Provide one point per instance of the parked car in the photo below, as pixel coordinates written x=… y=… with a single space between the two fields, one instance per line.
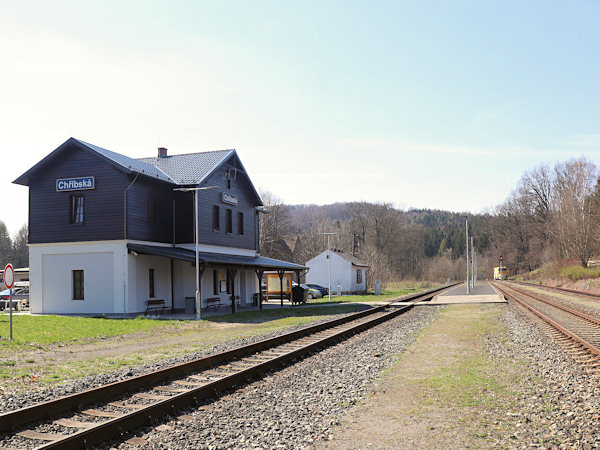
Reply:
x=20 y=298
x=323 y=290
x=312 y=292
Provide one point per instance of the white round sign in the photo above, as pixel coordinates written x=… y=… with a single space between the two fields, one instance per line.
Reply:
x=9 y=276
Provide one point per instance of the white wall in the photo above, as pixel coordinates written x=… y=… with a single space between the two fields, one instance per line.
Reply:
x=139 y=266
x=51 y=267
x=115 y=281
x=356 y=287
x=341 y=271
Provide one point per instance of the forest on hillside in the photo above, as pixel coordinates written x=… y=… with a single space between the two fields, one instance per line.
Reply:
x=553 y=213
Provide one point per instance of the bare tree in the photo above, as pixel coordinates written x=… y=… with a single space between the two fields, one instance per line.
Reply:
x=5 y=246
x=20 y=251
x=274 y=227
x=576 y=225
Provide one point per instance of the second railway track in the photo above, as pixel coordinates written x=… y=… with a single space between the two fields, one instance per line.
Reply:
x=579 y=329
x=125 y=405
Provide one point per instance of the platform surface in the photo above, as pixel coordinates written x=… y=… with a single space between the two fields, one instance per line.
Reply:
x=483 y=292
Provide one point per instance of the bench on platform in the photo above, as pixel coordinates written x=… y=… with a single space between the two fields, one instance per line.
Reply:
x=214 y=302
x=155 y=304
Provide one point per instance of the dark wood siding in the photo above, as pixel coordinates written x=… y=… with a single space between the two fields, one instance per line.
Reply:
x=138 y=205
x=246 y=205
x=49 y=210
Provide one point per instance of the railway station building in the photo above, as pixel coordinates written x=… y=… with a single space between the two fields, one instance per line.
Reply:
x=108 y=233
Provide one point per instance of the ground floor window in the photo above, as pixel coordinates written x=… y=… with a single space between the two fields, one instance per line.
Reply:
x=78 y=285
x=151 y=283
x=215 y=282
x=358 y=276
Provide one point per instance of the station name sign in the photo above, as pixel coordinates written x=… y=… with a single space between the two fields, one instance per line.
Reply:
x=229 y=199
x=75 y=184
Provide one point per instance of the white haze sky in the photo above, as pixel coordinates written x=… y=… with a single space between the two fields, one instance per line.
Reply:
x=428 y=104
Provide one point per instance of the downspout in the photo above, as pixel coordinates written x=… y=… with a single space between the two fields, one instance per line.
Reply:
x=125 y=269
x=125 y=205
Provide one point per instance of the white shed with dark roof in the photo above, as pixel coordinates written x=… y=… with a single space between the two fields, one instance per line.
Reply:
x=347 y=271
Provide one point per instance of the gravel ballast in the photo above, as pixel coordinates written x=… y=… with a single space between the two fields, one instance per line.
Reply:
x=559 y=404
x=296 y=406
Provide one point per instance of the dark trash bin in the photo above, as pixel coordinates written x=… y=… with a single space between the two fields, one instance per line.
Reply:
x=190 y=305
x=298 y=295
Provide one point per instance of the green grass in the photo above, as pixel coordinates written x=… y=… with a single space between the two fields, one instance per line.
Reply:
x=42 y=331
x=386 y=295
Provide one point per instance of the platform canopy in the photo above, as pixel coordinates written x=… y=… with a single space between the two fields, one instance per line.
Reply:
x=215 y=258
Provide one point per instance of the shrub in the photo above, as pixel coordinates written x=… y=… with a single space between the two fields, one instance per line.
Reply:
x=576 y=272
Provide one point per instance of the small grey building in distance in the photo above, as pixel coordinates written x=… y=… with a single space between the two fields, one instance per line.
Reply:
x=107 y=232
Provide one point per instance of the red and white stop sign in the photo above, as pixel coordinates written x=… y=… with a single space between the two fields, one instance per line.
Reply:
x=9 y=276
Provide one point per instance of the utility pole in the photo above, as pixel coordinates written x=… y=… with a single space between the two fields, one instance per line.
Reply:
x=467 y=240
x=329 y=260
x=196 y=239
x=474 y=276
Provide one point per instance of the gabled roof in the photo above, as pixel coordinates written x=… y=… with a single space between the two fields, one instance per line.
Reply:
x=133 y=165
x=190 y=168
x=184 y=170
x=121 y=162
x=351 y=259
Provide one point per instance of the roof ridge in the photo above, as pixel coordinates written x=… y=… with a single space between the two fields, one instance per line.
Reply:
x=186 y=154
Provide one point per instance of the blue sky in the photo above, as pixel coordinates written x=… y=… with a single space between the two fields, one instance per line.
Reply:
x=428 y=104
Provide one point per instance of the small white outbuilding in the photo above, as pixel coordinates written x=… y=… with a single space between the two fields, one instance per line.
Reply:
x=347 y=271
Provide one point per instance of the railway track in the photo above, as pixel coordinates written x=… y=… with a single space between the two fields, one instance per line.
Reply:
x=96 y=415
x=576 y=330
x=559 y=289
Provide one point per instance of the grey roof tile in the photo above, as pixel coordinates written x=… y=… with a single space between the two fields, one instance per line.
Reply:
x=134 y=165
x=189 y=168
x=353 y=259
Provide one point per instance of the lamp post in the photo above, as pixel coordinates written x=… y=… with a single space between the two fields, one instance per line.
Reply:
x=467 y=236
x=329 y=260
x=196 y=239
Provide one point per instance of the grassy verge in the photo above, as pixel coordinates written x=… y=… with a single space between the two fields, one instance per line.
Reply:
x=41 y=331
x=394 y=291
x=444 y=392
x=94 y=346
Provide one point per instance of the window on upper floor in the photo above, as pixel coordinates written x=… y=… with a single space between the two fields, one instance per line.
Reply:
x=216 y=218
x=240 y=223
x=228 y=221
x=76 y=209
x=152 y=210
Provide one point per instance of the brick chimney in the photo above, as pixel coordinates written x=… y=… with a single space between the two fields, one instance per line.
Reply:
x=162 y=152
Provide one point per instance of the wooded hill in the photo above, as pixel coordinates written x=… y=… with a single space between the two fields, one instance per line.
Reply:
x=553 y=214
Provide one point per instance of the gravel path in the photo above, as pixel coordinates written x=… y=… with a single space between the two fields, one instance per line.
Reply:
x=560 y=403
x=298 y=405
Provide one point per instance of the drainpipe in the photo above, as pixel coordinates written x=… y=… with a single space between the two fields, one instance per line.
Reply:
x=125 y=205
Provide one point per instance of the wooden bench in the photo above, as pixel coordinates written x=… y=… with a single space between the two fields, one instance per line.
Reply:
x=155 y=304
x=214 y=302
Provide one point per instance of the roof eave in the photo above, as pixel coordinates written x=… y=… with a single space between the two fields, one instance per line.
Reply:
x=24 y=179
